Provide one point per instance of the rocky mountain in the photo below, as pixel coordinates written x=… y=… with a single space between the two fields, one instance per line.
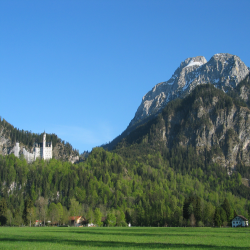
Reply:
x=209 y=120
x=9 y=135
x=224 y=71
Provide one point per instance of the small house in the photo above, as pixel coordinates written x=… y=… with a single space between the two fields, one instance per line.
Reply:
x=239 y=221
x=38 y=223
x=76 y=220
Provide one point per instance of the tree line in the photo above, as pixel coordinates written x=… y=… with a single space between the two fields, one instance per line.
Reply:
x=147 y=189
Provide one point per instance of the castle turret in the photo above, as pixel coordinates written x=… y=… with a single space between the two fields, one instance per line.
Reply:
x=44 y=145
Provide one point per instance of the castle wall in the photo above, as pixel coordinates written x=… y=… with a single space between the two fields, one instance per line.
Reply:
x=16 y=149
x=47 y=153
x=28 y=156
x=39 y=151
x=43 y=153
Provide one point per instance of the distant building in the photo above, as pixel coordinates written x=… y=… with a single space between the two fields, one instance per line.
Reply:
x=41 y=150
x=16 y=149
x=239 y=221
x=76 y=221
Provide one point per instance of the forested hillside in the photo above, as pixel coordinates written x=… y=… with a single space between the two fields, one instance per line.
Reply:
x=208 y=119
x=150 y=189
x=10 y=135
x=185 y=167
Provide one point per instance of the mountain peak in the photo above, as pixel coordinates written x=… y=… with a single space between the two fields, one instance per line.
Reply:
x=194 y=61
x=223 y=70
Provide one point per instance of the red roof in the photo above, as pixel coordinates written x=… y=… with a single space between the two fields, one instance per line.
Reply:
x=74 y=217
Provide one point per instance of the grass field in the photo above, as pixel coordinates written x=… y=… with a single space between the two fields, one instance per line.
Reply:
x=124 y=238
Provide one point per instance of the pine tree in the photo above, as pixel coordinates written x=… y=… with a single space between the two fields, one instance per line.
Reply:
x=27 y=210
x=3 y=212
x=226 y=206
x=197 y=210
x=128 y=217
x=217 y=219
x=186 y=212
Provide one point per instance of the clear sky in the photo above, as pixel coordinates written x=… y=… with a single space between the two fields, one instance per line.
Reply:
x=79 y=69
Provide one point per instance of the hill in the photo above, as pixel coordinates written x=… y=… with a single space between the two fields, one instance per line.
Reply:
x=224 y=71
x=9 y=135
x=182 y=166
x=208 y=120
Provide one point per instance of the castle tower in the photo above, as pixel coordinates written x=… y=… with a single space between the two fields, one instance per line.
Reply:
x=44 y=145
x=16 y=150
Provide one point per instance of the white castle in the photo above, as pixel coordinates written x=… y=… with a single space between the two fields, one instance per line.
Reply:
x=41 y=150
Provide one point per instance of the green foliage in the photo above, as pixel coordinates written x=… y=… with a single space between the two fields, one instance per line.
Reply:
x=60 y=211
x=3 y=212
x=141 y=185
x=111 y=219
x=244 y=85
x=28 y=138
x=75 y=208
x=98 y=217
x=217 y=218
x=28 y=211
x=227 y=208
x=54 y=213
x=243 y=170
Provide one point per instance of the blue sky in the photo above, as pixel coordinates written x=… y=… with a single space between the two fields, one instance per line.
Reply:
x=79 y=69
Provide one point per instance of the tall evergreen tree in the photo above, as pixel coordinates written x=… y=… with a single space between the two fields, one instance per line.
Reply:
x=3 y=212
x=197 y=210
x=227 y=208
x=217 y=218
x=28 y=205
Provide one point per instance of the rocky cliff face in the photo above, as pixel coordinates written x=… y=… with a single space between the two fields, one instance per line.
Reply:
x=60 y=153
x=224 y=71
x=5 y=144
x=208 y=120
x=60 y=150
x=225 y=133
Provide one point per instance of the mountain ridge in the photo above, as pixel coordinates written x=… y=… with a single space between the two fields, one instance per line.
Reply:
x=224 y=71
x=208 y=120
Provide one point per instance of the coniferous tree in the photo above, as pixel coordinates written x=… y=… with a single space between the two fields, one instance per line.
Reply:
x=223 y=216
x=227 y=208
x=128 y=217
x=217 y=218
x=197 y=210
x=185 y=209
x=28 y=211
x=3 y=212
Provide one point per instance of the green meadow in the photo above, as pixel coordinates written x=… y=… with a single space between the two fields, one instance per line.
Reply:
x=124 y=238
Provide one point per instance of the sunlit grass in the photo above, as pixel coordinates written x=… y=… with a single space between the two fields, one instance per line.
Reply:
x=124 y=238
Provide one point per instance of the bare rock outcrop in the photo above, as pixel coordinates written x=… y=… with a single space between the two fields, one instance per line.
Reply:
x=224 y=71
